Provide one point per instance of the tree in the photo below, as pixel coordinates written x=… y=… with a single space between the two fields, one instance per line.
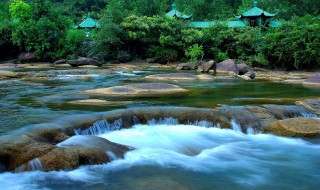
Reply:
x=36 y=28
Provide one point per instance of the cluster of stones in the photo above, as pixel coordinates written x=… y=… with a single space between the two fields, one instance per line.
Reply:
x=229 y=67
x=57 y=146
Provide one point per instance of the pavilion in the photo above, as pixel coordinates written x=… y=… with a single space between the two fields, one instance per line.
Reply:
x=88 y=24
x=255 y=17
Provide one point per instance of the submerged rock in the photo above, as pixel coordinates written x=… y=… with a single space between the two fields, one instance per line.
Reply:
x=138 y=90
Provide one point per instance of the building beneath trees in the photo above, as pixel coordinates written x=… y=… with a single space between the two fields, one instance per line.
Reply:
x=88 y=25
x=255 y=17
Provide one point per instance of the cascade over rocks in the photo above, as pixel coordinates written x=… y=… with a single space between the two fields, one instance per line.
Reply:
x=56 y=146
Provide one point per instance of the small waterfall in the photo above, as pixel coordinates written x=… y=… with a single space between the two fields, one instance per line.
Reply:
x=250 y=131
x=35 y=164
x=204 y=123
x=100 y=127
x=308 y=114
x=236 y=126
x=136 y=120
x=164 y=121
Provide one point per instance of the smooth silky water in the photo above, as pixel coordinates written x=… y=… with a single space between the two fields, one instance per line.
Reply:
x=167 y=156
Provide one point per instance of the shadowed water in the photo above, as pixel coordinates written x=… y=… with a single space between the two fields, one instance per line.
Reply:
x=189 y=157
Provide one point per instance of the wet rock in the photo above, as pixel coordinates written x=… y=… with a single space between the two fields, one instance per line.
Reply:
x=84 y=61
x=139 y=90
x=262 y=115
x=249 y=75
x=27 y=57
x=297 y=127
x=60 y=61
x=227 y=67
x=243 y=68
x=82 y=150
x=242 y=116
x=312 y=105
x=19 y=149
x=206 y=66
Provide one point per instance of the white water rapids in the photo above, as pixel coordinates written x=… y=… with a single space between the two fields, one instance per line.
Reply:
x=189 y=157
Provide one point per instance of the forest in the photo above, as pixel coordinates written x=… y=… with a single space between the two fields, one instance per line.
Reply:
x=139 y=29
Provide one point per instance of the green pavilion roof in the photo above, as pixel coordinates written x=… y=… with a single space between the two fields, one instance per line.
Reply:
x=175 y=13
x=207 y=24
x=88 y=23
x=255 y=12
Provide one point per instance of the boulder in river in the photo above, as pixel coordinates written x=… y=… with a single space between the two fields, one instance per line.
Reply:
x=206 y=66
x=228 y=66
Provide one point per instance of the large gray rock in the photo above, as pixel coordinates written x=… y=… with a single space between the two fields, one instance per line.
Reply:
x=228 y=66
x=27 y=57
x=81 y=61
x=206 y=66
x=243 y=68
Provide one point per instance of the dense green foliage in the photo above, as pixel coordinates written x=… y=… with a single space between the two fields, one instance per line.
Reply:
x=140 y=29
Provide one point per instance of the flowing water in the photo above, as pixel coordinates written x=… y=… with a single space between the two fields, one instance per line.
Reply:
x=168 y=155
x=189 y=157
